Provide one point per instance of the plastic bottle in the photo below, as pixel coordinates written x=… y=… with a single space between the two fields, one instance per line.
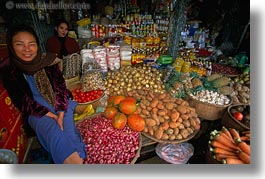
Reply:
x=209 y=69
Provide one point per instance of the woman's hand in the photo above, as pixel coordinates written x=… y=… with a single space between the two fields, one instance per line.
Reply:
x=58 y=118
x=52 y=115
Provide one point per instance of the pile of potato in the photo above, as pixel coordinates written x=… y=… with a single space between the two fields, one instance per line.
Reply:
x=129 y=78
x=166 y=117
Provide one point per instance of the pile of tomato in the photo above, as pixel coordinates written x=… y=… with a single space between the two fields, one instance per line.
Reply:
x=88 y=96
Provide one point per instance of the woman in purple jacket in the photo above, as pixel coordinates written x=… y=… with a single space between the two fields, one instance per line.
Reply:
x=37 y=88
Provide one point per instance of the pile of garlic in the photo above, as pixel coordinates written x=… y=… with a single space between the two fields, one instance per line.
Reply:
x=211 y=97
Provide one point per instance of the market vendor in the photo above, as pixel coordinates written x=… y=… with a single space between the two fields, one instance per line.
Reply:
x=60 y=43
x=37 y=88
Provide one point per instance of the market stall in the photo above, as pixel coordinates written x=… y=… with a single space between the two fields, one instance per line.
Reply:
x=157 y=79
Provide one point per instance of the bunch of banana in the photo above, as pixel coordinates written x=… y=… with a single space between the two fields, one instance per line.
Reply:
x=88 y=111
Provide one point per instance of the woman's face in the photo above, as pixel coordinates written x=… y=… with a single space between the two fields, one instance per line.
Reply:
x=62 y=30
x=25 y=46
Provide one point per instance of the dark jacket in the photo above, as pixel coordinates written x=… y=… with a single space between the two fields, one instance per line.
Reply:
x=22 y=97
x=53 y=45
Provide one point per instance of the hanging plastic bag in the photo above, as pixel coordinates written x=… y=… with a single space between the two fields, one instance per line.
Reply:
x=88 y=61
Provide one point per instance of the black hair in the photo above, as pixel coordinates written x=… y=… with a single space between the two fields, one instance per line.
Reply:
x=60 y=21
x=12 y=31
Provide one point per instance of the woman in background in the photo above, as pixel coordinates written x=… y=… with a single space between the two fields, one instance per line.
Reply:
x=37 y=88
x=60 y=43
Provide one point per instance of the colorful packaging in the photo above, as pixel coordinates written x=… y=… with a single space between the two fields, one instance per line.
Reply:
x=12 y=135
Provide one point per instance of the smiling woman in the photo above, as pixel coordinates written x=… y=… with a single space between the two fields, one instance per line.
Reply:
x=25 y=46
x=37 y=88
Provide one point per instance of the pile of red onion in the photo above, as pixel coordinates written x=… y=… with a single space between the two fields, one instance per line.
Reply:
x=105 y=144
x=224 y=69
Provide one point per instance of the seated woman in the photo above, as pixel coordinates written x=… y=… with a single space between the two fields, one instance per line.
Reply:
x=60 y=43
x=37 y=88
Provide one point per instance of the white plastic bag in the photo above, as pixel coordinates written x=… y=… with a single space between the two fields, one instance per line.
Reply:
x=175 y=153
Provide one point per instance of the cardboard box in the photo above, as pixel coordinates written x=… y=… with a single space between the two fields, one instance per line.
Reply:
x=12 y=135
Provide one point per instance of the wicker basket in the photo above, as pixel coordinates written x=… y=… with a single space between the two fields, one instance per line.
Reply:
x=70 y=81
x=208 y=111
x=230 y=122
x=137 y=154
x=72 y=66
x=74 y=85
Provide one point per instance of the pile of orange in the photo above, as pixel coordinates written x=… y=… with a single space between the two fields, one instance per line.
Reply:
x=122 y=111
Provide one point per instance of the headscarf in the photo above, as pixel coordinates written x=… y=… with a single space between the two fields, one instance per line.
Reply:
x=31 y=67
x=36 y=66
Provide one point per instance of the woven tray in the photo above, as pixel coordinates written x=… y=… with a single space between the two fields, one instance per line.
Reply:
x=78 y=85
x=82 y=106
x=169 y=141
x=137 y=154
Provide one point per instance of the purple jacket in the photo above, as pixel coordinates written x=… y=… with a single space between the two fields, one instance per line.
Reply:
x=21 y=95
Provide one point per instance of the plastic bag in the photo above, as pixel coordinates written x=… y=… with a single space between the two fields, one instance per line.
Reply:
x=88 y=61
x=99 y=54
x=92 y=80
x=113 y=57
x=8 y=157
x=175 y=153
